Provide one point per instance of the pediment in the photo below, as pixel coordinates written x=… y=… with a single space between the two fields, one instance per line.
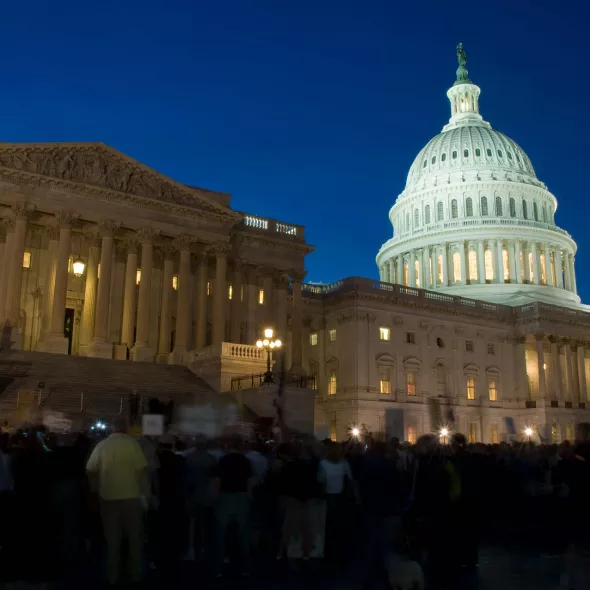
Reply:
x=98 y=165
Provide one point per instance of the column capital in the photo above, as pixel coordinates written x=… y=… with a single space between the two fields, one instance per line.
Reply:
x=167 y=250
x=521 y=339
x=554 y=339
x=184 y=242
x=539 y=337
x=8 y=224
x=219 y=249
x=108 y=227
x=251 y=272
x=66 y=219
x=23 y=210
x=238 y=264
x=280 y=278
x=147 y=235
x=297 y=276
x=131 y=244
x=202 y=258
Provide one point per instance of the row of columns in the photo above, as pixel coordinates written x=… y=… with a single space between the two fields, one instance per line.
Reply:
x=559 y=264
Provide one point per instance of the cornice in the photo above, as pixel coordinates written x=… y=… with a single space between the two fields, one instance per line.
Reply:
x=273 y=243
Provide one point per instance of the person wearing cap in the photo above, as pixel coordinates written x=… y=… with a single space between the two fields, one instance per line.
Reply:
x=118 y=468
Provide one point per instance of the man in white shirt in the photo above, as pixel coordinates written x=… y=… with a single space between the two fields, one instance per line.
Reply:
x=118 y=466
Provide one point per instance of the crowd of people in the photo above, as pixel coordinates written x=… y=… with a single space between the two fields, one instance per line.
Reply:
x=147 y=506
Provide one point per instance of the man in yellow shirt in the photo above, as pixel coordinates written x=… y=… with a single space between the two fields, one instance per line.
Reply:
x=118 y=467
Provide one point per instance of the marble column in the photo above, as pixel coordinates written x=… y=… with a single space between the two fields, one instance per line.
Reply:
x=142 y=350
x=526 y=269
x=391 y=270
x=548 y=273
x=48 y=285
x=7 y=257
x=251 y=303
x=511 y=262
x=412 y=269
x=201 y=293
x=500 y=260
x=183 y=319
x=541 y=365
x=574 y=287
x=581 y=354
x=236 y=301
x=558 y=268
x=130 y=294
x=22 y=212
x=400 y=269
x=481 y=262
x=463 y=262
x=101 y=346
x=518 y=261
x=219 y=292
x=420 y=277
x=536 y=265
x=90 y=287
x=521 y=377
x=445 y=265
x=569 y=370
x=567 y=279
x=297 y=323
x=495 y=262
x=555 y=368
x=165 y=331
x=426 y=266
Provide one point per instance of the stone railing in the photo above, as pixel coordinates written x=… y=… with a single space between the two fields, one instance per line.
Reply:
x=262 y=224
x=231 y=350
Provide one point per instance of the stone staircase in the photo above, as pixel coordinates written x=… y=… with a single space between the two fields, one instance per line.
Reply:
x=87 y=389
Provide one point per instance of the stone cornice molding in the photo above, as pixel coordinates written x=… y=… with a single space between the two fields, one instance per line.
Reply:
x=67 y=219
x=23 y=210
x=147 y=235
x=282 y=245
x=99 y=171
x=184 y=242
x=219 y=249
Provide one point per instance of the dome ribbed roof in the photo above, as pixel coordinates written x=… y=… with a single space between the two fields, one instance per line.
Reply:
x=469 y=147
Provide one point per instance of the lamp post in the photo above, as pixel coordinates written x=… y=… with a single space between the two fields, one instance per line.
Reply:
x=269 y=344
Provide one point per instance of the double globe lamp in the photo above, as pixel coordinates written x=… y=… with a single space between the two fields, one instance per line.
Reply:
x=269 y=344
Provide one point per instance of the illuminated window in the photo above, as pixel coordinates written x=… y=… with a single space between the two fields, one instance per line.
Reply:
x=470 y=387
x=469 y=207
x=531 y=268
x=489 y=264
x=484 y=206
x=494 y=435
x=505 y=264
x=208 y=288
x=525 y=210
x=27 y=260
x=522 y=259
x=332 y=384
x=569 y=432
x=333 y=436
x=384 y=334
x=230 y=291
x=439 y=268
x=473 y=265
x=427 y=214
x=98 y=271
x=417 y=273
x=440 y=211
x=313 y=339
x=332 y=334
x=411 y=436
x=457 y=267
x=410 y=338
x=138 y=276
x=454 y=209
x=175 y=283
x=261 y=297
x=70 y=264
x=543 y=269
x=411 y=383
x=472 y=436
x=512 y=208
x=498 y=206
x=406 y=275
x=493 y=389
x=385 y=386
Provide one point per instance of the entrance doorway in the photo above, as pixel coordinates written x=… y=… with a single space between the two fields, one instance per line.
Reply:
x=69 y=327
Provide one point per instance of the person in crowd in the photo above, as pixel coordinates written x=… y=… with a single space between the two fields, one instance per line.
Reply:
x=118 y=469
x=233 y=481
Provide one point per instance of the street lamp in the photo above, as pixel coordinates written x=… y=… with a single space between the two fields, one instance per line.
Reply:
x=269 y=344
x=78 y=268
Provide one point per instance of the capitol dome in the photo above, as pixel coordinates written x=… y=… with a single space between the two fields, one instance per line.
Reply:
x=474 y=220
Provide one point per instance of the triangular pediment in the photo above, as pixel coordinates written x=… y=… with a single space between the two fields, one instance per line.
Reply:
x=101 y=166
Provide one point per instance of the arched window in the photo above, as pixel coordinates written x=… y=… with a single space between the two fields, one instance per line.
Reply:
x=518 y=157
x=477 y=152
x=499 y=206
x=407 y=222
x=544 y=213
x=466 y=153
x=454 y=209
x=509 y=154
x=443 y=157
x=500 y=154
x=525 y=210
x=427 y=215
x=472 y=265
x=433 y=160
x=454 y=154
x=469 y=207
x=489 y=152
x=535 y=211
x=512 y=208
x=425 y=164
x=416 y=218
x=439 y=211
x=484 y=206
x=456 y=267
x=489 y=264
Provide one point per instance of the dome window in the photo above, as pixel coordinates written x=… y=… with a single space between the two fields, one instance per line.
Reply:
x=469 y=207
x=454 y=154
x=500 y=154
x=544 y=213
x=498 y=207
x=416 y=218
x=443 y=157
x=517 y=158
x=408 y=222
x=454 y=209
x=427 y=215
x=466 y=153
x=536 y=211
x=512 y=208
x=440 y=211
x=509 y=154
x=425 y=163
x=433 y=160
x=477 y=152
x=484 y=206
x=525 y=210
x=489 y=152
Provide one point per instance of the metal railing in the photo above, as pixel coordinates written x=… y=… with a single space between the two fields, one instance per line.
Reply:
x=257 y=380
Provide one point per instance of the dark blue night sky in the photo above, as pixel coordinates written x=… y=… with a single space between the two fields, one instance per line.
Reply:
x=309 y=111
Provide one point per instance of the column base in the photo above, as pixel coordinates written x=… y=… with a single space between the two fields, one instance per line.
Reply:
x=142 y=354
x=100 y=349
x=162 y=358
x=54 y=343
x=176 y=357
x=120 y=352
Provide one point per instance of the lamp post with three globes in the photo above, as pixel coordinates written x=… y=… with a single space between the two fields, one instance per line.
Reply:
x=269 y=344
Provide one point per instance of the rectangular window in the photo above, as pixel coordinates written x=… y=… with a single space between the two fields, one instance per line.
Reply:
x=470 y=387
x=472 y=265
x=489 y=265
x=472 y=437
x=411 y=383
x=313 y=339
x=175 y=283
x=27 y=260
x=469 y=346
x=494 y=436
x=70 y=264
x=439 y=266
x=98 y=271
x=384 y=334
x=332 y=384
x=208 y=288
x=543 y=269
x=411 y=435
x=406 y=275
x=332 y=334
x=138 y=276
x=491 y=348
x=531 y=268
x=230 y=291
x=493 y=389
x=333 y=436
x=385 y=386
x=569 y=432
x=261 y=297
x=410 y=338
x=456 y=267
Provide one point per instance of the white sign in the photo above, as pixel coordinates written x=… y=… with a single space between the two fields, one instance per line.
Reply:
x=152 y=424
x=56 y=422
